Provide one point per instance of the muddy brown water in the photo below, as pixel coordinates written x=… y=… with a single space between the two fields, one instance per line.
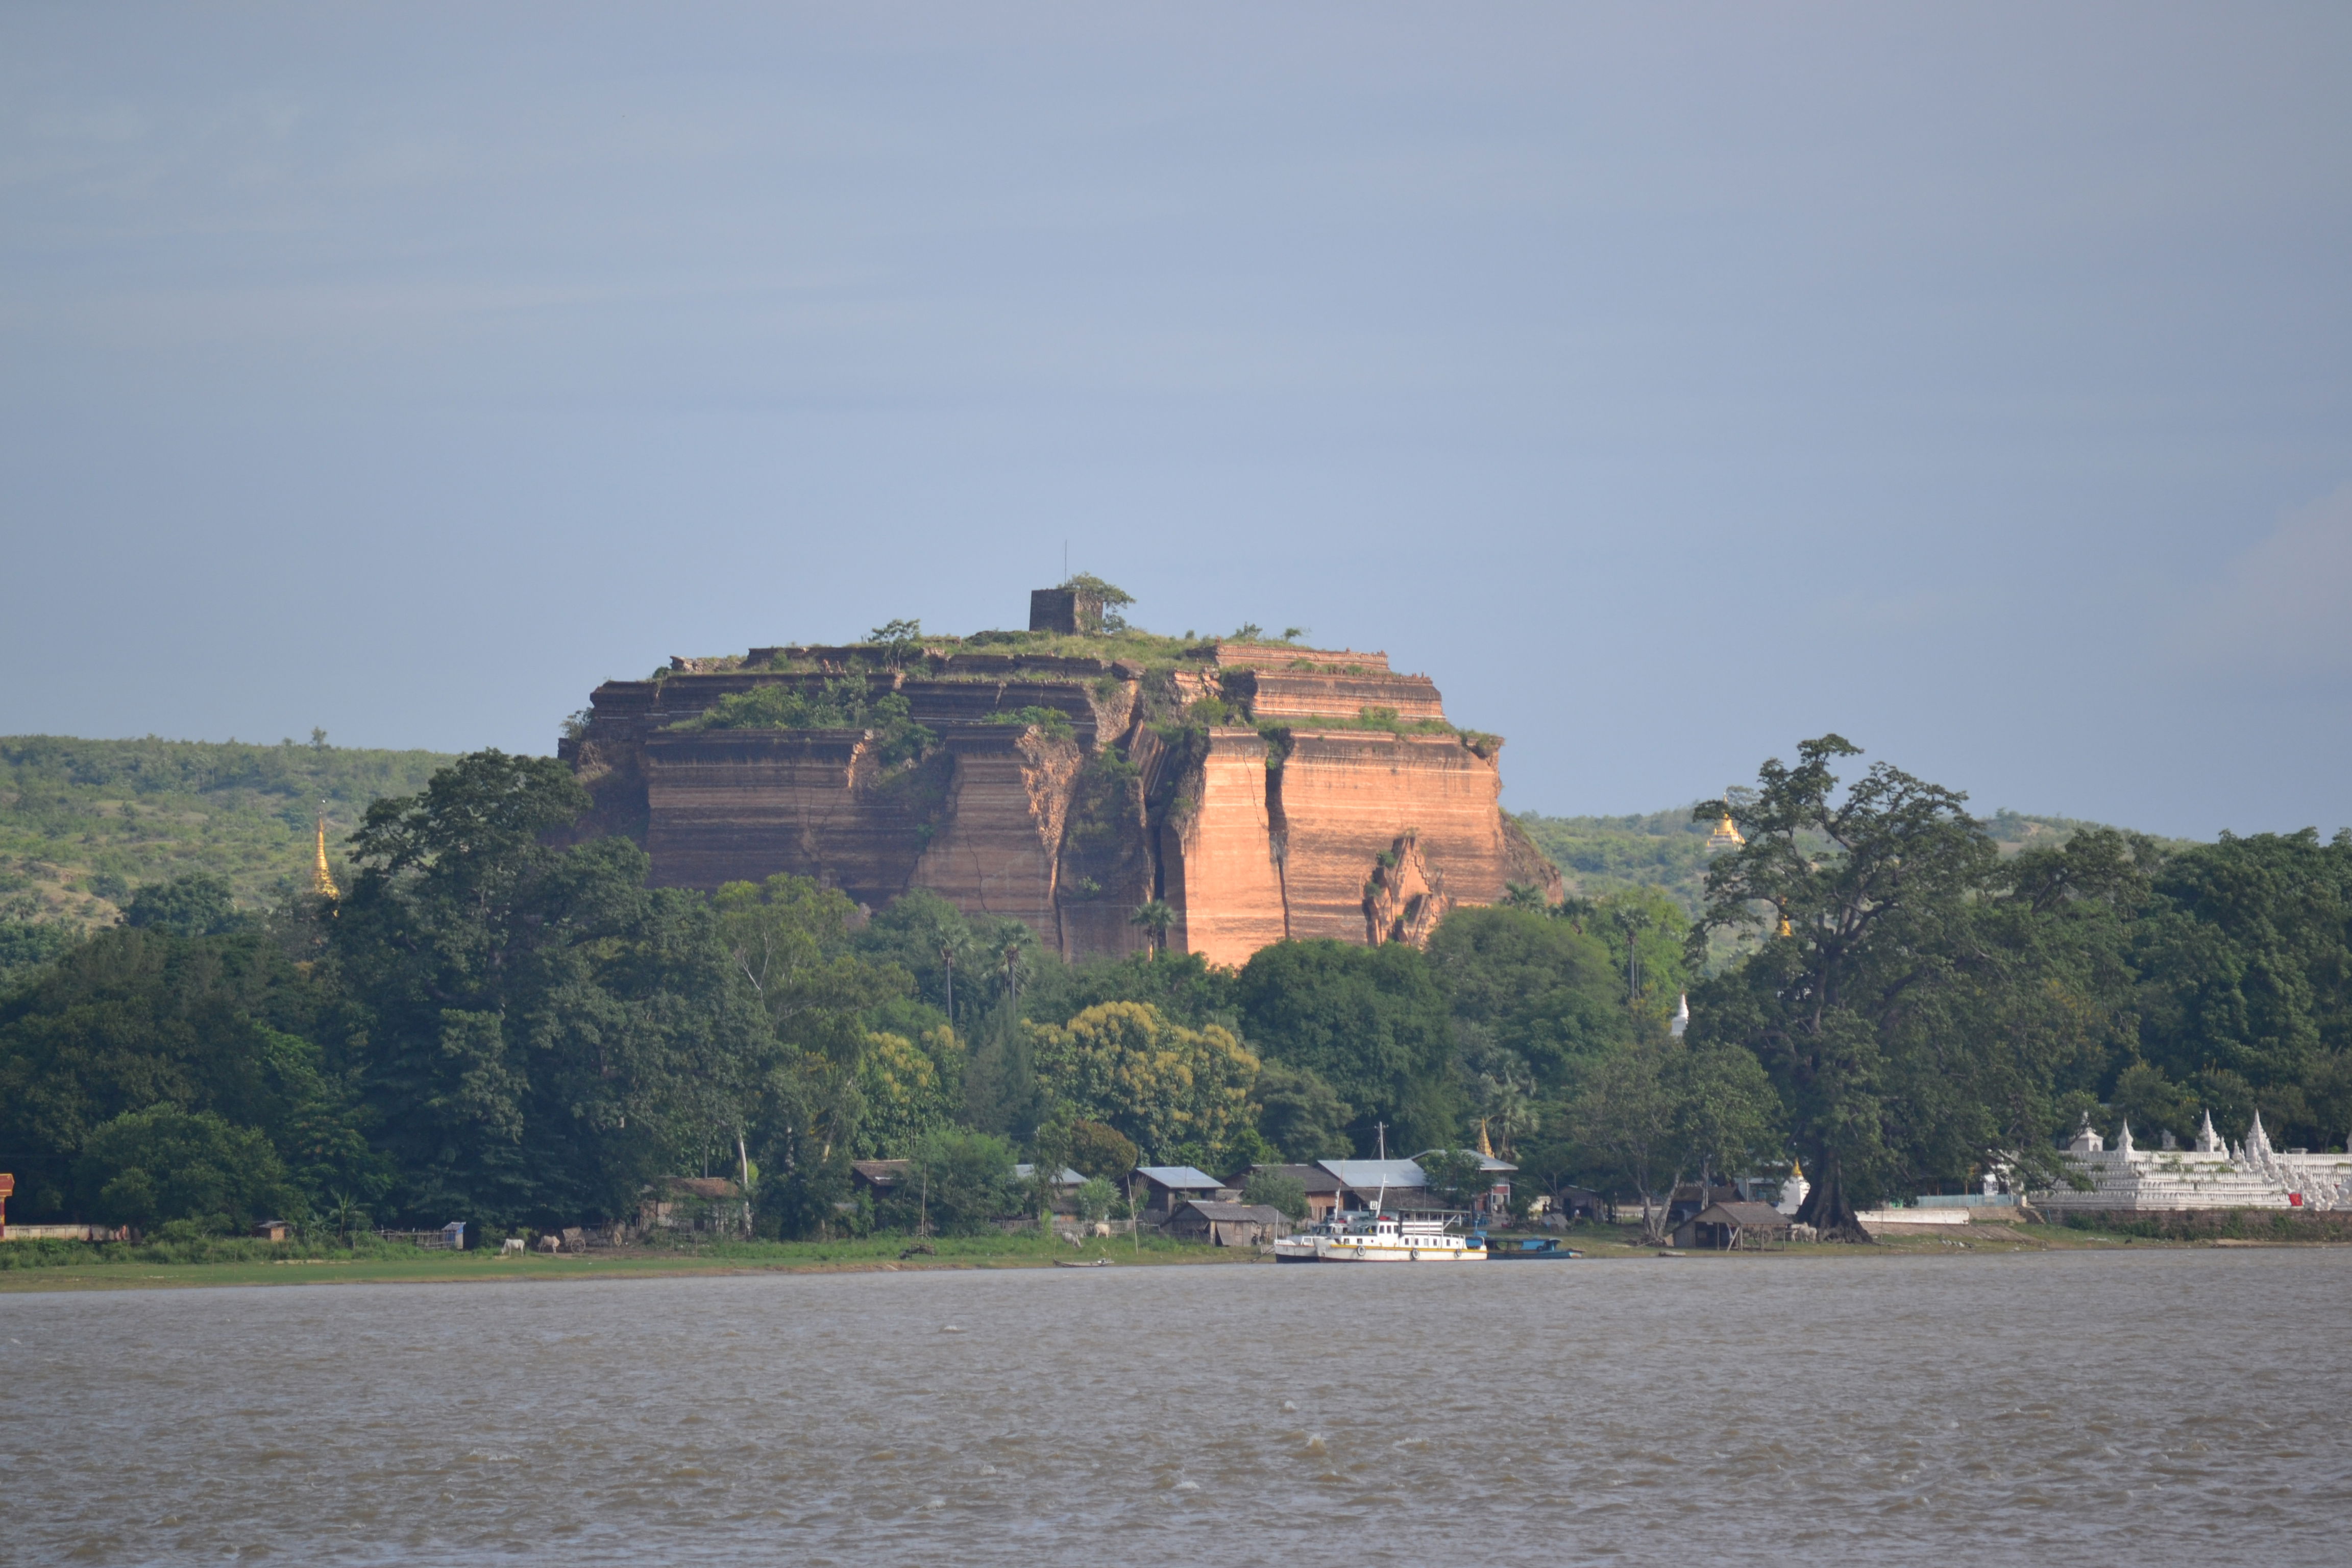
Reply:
x=2151 y=1407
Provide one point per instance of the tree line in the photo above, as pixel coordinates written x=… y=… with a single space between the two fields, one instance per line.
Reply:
x=491 y=1029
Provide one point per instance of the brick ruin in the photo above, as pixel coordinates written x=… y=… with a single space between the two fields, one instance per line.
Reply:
x=1262 y=791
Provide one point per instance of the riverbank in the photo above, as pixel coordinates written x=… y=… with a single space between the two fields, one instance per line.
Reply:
x=128 y=1270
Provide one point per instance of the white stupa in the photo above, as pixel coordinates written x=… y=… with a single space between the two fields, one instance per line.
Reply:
x=1793 y=1190
x=1681 y=1017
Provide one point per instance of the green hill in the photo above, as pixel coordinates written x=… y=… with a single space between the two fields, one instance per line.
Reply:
x=1665 y=849
x=83 y=822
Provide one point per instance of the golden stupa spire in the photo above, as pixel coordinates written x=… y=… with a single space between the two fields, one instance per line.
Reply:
x=1485 y=1147
x=322 y=882
x=1726 y=832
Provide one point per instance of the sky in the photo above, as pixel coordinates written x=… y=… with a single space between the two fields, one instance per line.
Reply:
x=1671 y=384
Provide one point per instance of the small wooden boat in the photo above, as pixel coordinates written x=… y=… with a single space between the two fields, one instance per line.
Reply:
x=1526 y=1250
x=1087 y=1263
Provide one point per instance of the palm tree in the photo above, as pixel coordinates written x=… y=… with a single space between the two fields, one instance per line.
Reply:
x=1155 y=917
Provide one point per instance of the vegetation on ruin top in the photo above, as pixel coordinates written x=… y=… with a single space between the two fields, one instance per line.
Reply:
x=905 y=645
x=848 y=703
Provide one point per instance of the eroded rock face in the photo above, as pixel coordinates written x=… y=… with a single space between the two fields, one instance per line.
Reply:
x=1321 y=794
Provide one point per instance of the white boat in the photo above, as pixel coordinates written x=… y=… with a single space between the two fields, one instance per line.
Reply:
x=1299 y=1247
x=1385 y=1238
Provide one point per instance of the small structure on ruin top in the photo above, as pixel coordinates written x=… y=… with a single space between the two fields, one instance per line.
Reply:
x=1069 y=775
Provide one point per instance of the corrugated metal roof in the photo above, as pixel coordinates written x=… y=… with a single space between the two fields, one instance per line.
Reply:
x=1314 y=1178
x=1486 y=1161
x=1261 y=1213
x=1069 y=1178
x=1371 y=1175
x=1178 y=1176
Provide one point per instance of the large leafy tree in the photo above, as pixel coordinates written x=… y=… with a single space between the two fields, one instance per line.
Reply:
x=544 y=1032
x=2031 y=1015
x=1166 y=1086
x=834 y=1083
x=1186 y=988
x=907 y=1088
x=1864 y=903
x=1656 y=1110
x=1540 y=989
x=1301 y=1116
x=1371 y=1022
x=149 y=1168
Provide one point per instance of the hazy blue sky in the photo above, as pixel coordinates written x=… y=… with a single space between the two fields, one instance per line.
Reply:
x=1670 y=382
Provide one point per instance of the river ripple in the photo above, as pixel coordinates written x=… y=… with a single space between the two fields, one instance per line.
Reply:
x=2163 y=1406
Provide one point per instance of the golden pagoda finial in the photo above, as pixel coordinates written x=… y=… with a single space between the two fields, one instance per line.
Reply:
x=1786 y=930
x=1726 y=832
x=322 y=882
x=1485 y=1147
x=1796 y=1170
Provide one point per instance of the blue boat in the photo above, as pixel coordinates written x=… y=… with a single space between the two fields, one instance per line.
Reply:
x=1526 y=1250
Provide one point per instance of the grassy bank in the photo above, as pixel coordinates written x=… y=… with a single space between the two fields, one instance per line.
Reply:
x=62 y=1266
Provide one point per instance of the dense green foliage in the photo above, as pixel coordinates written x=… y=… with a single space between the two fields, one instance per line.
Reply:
x=198 y=904
x=1370 y=1022
x=164 y=1165
x=228 y=1027
x=488 y=1028
x=1929 y=1009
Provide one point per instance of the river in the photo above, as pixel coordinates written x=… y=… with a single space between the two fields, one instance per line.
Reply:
x=2155 y=1406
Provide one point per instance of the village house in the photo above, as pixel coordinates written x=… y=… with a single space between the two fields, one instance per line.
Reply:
x=1325 y=1191
x=1227 y=1225
x=1690 y=1198
x=1569 y=1204
x=1399 y=1185
x=1405 y=1185
x=712 y=1204
x=1727 y=1227
x=879 y=1177
x=1161 y=1190
x=1062 y=1191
